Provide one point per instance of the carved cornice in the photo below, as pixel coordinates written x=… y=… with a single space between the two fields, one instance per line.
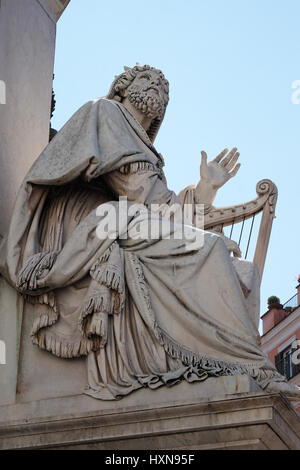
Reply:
x=188 y=423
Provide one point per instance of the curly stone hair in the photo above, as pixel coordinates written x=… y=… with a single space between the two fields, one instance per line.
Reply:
x=122 y=81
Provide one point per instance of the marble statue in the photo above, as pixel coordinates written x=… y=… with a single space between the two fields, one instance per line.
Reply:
x=145 y=312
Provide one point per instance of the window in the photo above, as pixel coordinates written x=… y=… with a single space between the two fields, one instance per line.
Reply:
x=284 y=363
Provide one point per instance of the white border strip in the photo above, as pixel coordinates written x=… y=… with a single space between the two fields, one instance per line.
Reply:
x=2 y=92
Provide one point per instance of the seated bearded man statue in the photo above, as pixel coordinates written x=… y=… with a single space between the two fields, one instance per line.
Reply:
x=148 y=311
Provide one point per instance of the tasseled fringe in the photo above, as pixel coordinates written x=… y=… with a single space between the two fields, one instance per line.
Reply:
x=52 y=343
x=63 y=348
x=142 y=283
x=34 y=266
x=100 y=303
x=105 y=256
x=109 y=276
x=137 y=166
x=45 y=299
x=213 y=367
x=106 y=302
x=45 y=319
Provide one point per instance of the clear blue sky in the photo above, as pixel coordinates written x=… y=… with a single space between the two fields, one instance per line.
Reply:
x=231 y=65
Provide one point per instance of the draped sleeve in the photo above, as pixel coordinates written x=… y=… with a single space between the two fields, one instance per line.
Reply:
x=142 y=183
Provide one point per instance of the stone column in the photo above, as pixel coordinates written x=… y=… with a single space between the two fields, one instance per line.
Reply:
x=27 y=46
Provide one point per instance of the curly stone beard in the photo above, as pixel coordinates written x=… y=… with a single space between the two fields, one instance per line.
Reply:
x=148 y=104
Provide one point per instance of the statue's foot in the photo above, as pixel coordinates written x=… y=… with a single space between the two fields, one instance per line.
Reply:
x=290 y=390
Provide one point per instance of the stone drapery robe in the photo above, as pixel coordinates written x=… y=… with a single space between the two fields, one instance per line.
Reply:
x=175 y=310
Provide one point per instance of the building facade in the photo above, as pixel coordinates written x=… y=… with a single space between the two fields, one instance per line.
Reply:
x=281 y=337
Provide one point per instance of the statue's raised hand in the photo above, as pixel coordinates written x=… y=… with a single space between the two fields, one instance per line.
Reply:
x=215 y=174
x=221 y=169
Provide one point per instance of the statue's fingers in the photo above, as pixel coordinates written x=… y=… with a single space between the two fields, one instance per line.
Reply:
x=203 y=166
x=221 y=155
x=204 y=157
x=235 y=170
x=233 y=161
x=229 y=157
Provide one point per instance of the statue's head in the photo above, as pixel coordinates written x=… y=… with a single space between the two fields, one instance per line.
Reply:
x=147 y=90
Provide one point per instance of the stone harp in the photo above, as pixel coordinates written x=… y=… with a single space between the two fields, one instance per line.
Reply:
x=218 y=218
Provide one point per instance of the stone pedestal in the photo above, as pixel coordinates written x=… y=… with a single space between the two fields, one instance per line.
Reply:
x=220 y=413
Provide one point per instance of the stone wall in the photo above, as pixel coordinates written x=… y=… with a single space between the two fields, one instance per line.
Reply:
x=27 y=47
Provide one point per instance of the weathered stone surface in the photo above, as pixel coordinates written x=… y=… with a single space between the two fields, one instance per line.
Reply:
x=142 y=313
x=41 y=375
x=27 y=45
x=11 y=308
x=227 y=413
